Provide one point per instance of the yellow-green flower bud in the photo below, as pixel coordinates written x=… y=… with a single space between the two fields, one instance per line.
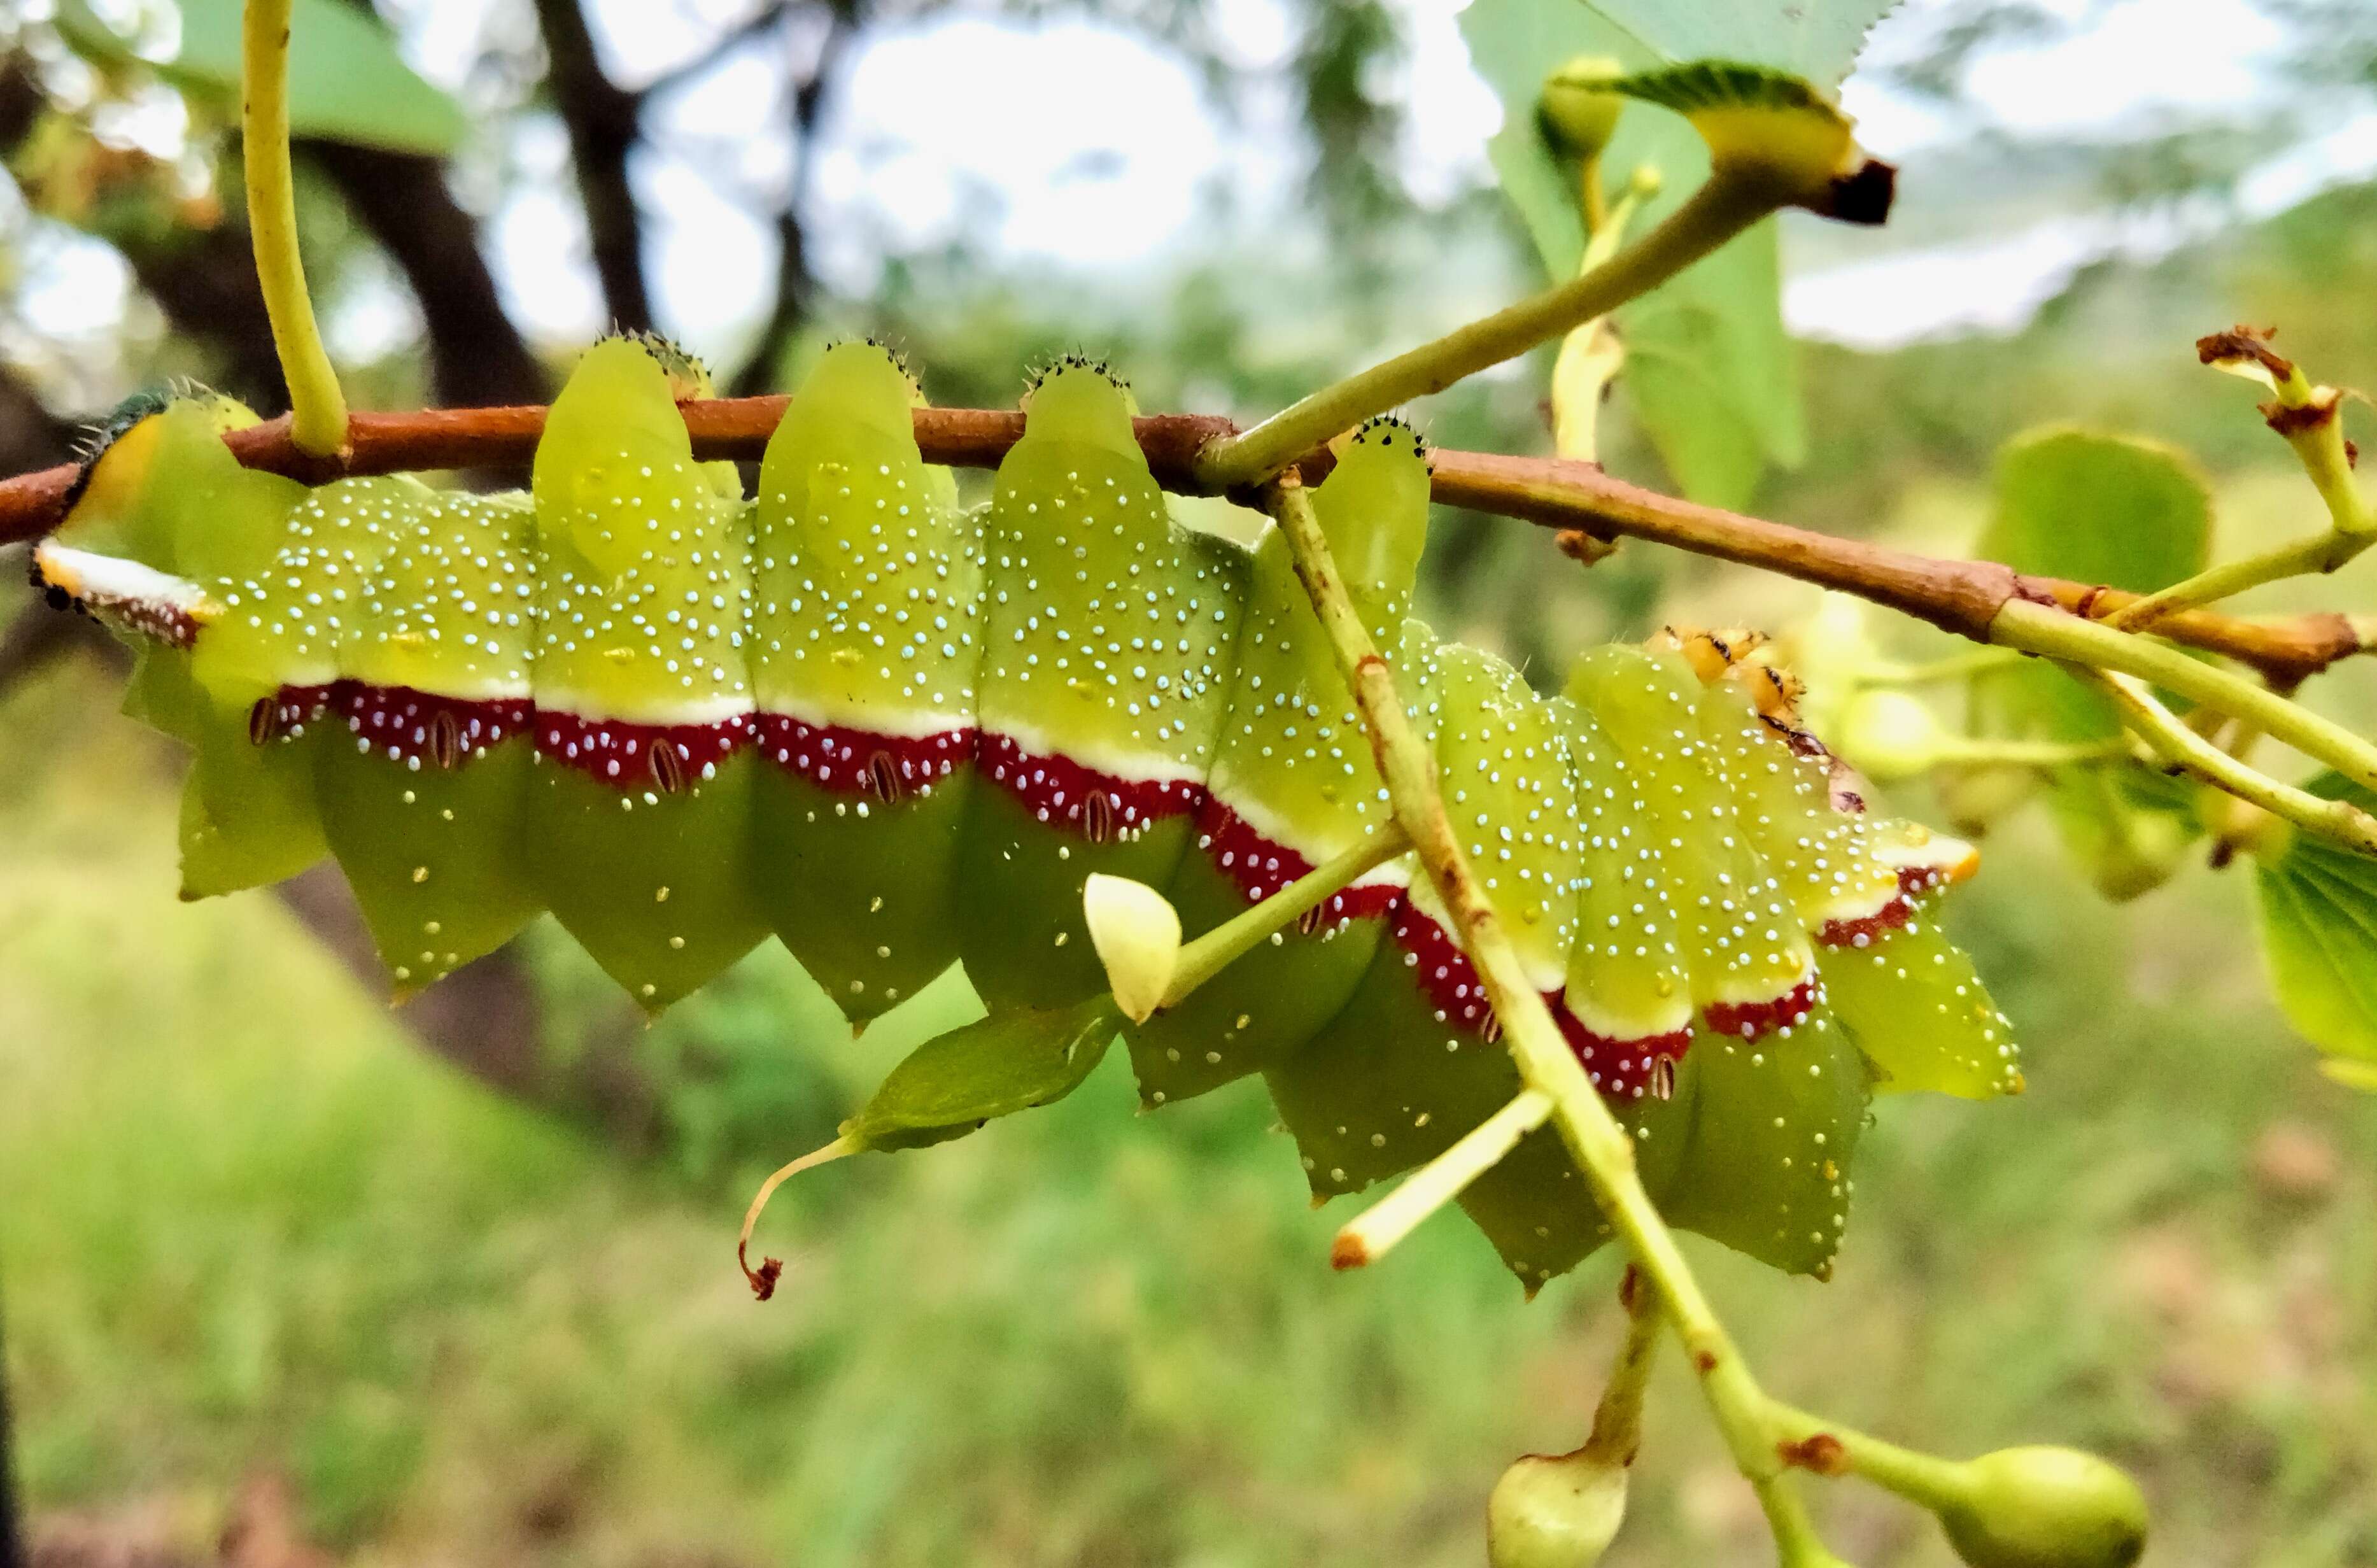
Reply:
x=1552 y=1512
x=1889 y=735
x=1137 y=934
x=1579 y=112
x=2044 y=1508
x=1977 y=798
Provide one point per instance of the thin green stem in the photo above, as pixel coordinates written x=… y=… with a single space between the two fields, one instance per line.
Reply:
x=2064 y=637
x=1590 y=355
x=2329 y=463
x=1617 y=1418
x=2308 y=417
x=317 y=410
x=1797 y=1545
x=1590 y=198
x=1964 y=751
x=1601 y=1147
x=1937 y=672
x=1921 y=1479
x=2171 y=739
x=1232 y=939
x=1723 y=207
x=2318 y=553
x=1370 y=1234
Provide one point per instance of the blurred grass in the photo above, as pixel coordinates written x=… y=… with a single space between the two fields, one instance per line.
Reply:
x=245 y=1225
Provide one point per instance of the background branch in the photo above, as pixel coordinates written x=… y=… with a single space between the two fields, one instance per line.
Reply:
x=477 y=355
x=795 y=287
x=601 y=117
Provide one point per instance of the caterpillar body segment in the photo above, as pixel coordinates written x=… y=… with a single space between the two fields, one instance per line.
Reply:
x=1292 y=782
x=638 y=822
x=1751 y=964
x=1415 y=1059
x=1107 y=640
x=898 y=733
x=1626 y=1005
x=864 y=652
x=425 y=757
x=1913 y=1002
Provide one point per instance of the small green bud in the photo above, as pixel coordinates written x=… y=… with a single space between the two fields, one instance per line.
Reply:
x=2045 y=1507
x=2138 y=851
x=1889 y=735
x=1554 y=1512
x=1977 y=798
x=1579 y=112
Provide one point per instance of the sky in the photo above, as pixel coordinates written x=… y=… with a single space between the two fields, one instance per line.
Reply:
x=1077 y=147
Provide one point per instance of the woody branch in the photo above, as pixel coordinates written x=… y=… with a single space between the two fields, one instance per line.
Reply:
x=1963 y=597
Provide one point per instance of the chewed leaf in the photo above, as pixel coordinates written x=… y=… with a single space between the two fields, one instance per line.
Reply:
x=1710 y=369
x=1008 y=1062
x=1756 y=114
x=2319 y=930
x=1813 y=40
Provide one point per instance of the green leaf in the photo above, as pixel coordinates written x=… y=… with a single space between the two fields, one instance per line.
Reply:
x=1710 y=371
x=1011 y=1061
x=2319 y=933
x=1815 y=40
x=2129 y=513
x=346 y=80
x=2099 y=508
x=1712 y=375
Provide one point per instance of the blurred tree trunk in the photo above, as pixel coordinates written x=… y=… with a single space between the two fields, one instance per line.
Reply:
x=477 y=355
x=603 y=119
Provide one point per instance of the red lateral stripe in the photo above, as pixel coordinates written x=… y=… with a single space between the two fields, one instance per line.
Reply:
x=412 y=726
x=846 y=760
x=1748 y=1020
x=1262 y=866
x=1621 y=1070
x=1866 y=929
x=294 y=706
x=1443 y=971
x=1062 y=791
x=628 y=757
x=1914 y=883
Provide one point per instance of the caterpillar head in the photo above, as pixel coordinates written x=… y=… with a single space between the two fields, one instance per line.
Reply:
x=160 y=512
x=1079 y=398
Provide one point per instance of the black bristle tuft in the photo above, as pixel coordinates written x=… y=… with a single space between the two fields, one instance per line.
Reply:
x=110 y=429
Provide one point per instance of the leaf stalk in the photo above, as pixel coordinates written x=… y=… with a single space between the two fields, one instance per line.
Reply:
x=317 y=408
x=1723 y=207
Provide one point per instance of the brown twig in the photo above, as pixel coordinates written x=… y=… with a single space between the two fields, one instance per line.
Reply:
x=1959 y=597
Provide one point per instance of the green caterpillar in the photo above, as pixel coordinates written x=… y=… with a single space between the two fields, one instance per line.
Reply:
x=897 y=735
